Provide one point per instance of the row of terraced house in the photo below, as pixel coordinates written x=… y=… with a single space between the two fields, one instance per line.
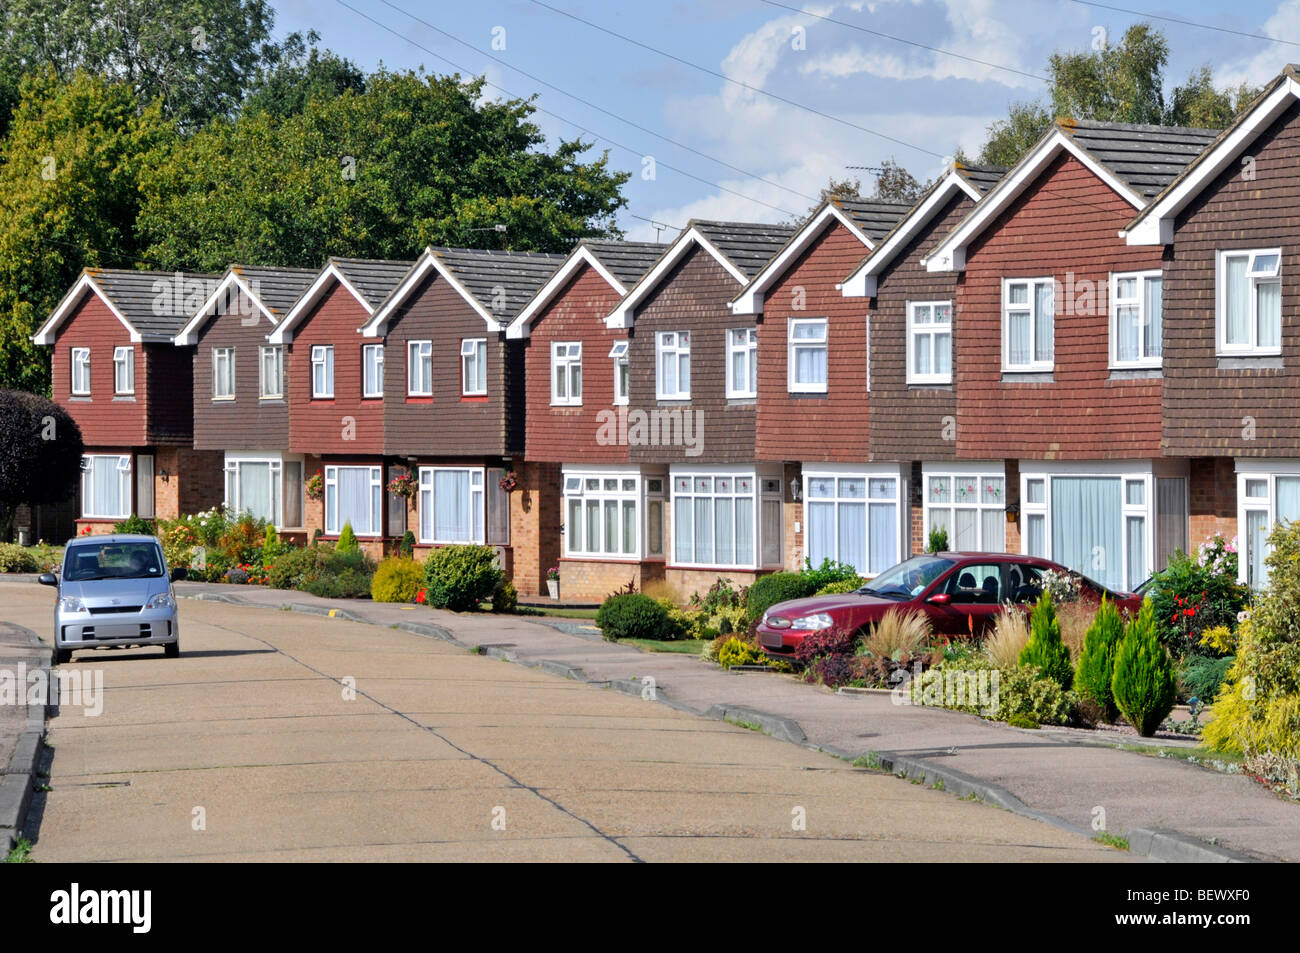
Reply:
x=1085 y=357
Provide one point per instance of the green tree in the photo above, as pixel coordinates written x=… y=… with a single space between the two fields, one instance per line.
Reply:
x=69 y=194
x=40 y=454
x=1199 y=104
x=895 y=184
x=1096 y=668
x=285 y=88
x=1009 y=139
x=1143 y=683
x=1045 y=650
x=409 y=161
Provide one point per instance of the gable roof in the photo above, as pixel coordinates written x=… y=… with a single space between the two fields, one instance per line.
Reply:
x=1154 y=224
x=620 y=264
x=496 y=284
x=973 y=181
x=152 y=305
x=741 y=248
x=868 y=220
x=369 y=281
x=1135 y=161
x=272 y=292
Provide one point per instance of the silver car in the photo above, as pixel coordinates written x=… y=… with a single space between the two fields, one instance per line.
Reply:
x=114 y=591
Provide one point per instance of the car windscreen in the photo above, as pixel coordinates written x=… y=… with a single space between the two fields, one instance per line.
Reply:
x=85 y=562
x=910 y=577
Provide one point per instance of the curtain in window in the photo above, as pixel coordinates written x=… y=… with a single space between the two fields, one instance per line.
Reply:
x=1256 y=543
x=452 y=522
x=683 y=535
x=573 y=528
x=821 y=532
x=1137 y=555
x=1151 y=331
x=745 y=533
x=292 y=493
x=703 y=530
x=1086 y=527
x=1237 y=301
x=852 y=520
x=144 y=485
x=1043 y=322
x=1171 y=519
x=724 y=531
x=994 y=531
x=629 y=527
x=965 y=537
x=1127 y=317
x=883 y=534
x=810 y=365
x=1036 y=544
x=1269 y=312
x=1288 y=499
x=255 y=491
x=943 y=353
x=1018 y=338
x=106 y=489
x=354 y=500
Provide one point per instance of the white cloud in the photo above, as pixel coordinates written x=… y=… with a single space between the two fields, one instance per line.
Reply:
x=1258 y=68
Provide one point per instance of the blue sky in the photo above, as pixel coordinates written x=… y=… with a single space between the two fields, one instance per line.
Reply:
x=843 y=96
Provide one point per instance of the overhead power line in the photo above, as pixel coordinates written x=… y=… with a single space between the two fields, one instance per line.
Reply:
x=1183 y=22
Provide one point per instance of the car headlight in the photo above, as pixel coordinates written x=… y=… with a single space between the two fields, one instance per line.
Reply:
x=776 y=621
x=160 y=600
x=819 y=620
x=72 y=604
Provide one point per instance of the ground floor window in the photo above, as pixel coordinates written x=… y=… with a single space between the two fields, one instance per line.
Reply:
x=970 y=503
x=722 y=518
x=616 y=514
x=451 y=505
x=267 y=487
x=1267 y=494
x=354 y=495
x=106 y=486
x=852 y=518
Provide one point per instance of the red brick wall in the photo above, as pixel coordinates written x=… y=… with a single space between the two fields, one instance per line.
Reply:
x=104 y=421
x=535 y=516
x=1066 y=223
x=1212 y=499
x=568 y=434
x=815 y=427
x=594 y=579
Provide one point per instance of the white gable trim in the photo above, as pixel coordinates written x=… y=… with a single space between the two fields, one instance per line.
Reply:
x=862 y=282
x=621 y=316
x=522 y=324
x=429 y=261
x=950 y=254
x=1155 y=225
x=86 y=283
x=190 y=333
x=283 y=334
x=750 y=299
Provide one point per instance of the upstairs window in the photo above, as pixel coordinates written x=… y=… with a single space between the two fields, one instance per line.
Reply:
x=271 y=375
x=123 y=370
x=807 y=356
x=1027 y=324
x=223 y=373
x=419 y=368
x=929 y=342
x=742 y=363
x=322 y=371
x=673 y=365
x=473 y=367
x=1135 y=329
x=372 y=370
x=622 y=377
x=1250 y=302
x=81 y=371
x=566 y=373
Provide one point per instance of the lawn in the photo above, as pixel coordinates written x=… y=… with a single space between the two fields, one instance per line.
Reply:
x=682 y=646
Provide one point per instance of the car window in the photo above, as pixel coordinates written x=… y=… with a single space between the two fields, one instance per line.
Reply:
x=1024 y=583
x=89 y=561
x=977 y=584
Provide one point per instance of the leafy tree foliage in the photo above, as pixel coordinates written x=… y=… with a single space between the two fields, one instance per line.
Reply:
x=40 y=454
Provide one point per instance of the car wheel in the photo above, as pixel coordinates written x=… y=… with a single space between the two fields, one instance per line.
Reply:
x=172 y=650
x=62 y=656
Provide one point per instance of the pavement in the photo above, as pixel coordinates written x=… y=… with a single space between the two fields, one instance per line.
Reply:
x=23 y=663
x=291 y=736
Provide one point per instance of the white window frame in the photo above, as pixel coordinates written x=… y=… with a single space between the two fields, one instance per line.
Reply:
x=333 y=526
x=79 y=372
x=674 y=346
x=743 y=342
x=425 y=503
x=835 y=473
x=566 y=365
x=979 y=475
x=1254 y=277
x=622 y=372
x=124 y=371
x=419 y=368
x=322 y=371
x=223 y=357
x=795 y=345
x=123 y=469
x=277 y=354
x=932 y=330
x=584 y=487
x=713 y=474
x=372 y=366
x=275 y=476
x=1031 y=285
x=1142 y=280
x=1267 y=471
x=473 y=352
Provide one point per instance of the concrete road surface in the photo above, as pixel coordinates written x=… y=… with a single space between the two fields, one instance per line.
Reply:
x=280 y=736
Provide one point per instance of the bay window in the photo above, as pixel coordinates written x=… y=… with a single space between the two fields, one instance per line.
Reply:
x=852 y=517
x=123 y=370
x=419 y=368
x=1249 y=302
x=566 y=373
x=106 y=486
x=1268 y=493
x=372 y=370
x=81 y=372
x=473 y=367
x=322 y=371
x=354 y=495
x=929 y=342
x=1135 y=319
x=1027 y=324
x=806 y=357
x=714 y=519
x=603 y=514
x=970 y=505
x=451 y=505
x=742 y=363
x=265 y=486
x=673 y=365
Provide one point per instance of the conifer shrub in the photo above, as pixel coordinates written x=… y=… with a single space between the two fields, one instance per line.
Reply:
x=1143 y=683
x=347 y=540
x=1096 y=669
x=1045 y=650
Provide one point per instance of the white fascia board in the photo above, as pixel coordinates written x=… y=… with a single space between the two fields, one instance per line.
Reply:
x=521 y=326
x=377 y=326
x=283 y=333
x=950 y=254
x=862 y=283
x=621 y=316
x=750 y=299
x=190 y=333
x=86 y=283
x=1155 y=225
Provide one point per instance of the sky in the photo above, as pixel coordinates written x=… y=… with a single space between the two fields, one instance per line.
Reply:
x=743 y=109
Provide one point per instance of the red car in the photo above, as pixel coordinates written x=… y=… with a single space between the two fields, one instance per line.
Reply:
x=962 y=593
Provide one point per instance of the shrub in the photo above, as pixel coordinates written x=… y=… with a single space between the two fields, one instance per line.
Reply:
x=832 y=641
x=831 y=670
x=1200 y=677
x=323 y=571
x=827 y=573
x=1075 y=618
x=1143 y=683
x=636 y=616
x=240 y=540
x=722 y=594
x=15 y=558
x=842 y=586
x=40 y=452
x=734 y=651
x=134 y=524
x=898 y=634
x=1192 y=595
x=347 y=583
x=1045 y=650
x=1008 y=638
x=505 y=597
x=938 y=542
x=347 y=539
x=460 y=577
x=407 y=548
x=777 y=587
x=397 y=580
x=1025 y=693
x=1096 y=668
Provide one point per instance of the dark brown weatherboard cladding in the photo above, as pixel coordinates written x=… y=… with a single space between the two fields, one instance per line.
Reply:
x=1242 y=411
x=907 y=423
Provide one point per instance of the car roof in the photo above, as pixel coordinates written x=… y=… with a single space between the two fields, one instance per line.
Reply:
x=985 y=557
x=113 y=538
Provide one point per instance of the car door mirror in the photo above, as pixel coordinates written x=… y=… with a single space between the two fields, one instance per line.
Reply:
x=179 y=573
x=48 y=579
x=940 y=599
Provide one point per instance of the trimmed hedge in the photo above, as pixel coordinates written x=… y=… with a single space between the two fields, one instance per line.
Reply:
x=633 y=615
x=767 y=591
x=460 y=577
x=397 y=580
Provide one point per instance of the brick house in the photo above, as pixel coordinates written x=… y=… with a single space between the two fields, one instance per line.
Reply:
x=117 y=372
x=577 y=376
x=241 y=392
x=689 y=419
x=454 y=402
x=1058 y=329
x=335 y=401
x=1224 y=227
